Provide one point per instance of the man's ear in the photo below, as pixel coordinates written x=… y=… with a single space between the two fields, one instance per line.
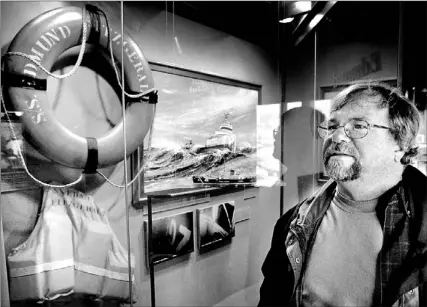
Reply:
x=398 y=154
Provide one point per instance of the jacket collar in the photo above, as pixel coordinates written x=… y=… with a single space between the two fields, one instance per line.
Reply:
x=414 y=185
x=314 y=207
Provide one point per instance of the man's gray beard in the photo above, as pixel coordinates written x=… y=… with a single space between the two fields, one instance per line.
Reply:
x=337 y=172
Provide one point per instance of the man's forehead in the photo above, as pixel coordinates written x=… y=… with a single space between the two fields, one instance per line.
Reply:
x=362 y=109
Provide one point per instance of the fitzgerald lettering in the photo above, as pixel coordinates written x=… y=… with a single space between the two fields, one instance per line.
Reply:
x=131 y=54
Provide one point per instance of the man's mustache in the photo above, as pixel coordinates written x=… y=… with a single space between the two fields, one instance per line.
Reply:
x=338 y=149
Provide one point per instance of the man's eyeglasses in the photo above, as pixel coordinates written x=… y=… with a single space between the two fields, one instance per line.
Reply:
x=354 y=129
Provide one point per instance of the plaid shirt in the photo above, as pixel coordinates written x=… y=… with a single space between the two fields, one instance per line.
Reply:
x=396 y=241
x=393 y=213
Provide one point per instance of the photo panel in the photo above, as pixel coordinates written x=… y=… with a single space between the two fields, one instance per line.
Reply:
x=216 y=225
x=172 y=236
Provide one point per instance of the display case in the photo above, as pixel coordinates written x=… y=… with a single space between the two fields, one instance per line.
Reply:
x=233 y=144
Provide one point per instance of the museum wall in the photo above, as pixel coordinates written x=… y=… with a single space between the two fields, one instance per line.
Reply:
x=79 y=103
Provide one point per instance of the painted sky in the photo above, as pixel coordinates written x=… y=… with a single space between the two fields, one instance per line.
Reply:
x=194 y=108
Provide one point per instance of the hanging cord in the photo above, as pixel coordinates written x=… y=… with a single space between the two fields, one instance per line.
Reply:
x=76 y=66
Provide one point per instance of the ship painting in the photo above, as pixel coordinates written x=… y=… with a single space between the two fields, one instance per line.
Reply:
x=200 y=134
x=224 y=137
x=219 y=161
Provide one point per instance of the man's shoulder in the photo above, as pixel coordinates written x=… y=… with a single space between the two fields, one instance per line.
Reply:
x=416 y=183
x=414 y=177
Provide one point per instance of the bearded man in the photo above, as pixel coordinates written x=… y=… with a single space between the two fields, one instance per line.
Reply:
x=361 y=239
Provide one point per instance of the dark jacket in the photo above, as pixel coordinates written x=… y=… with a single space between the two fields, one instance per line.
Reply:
x=294 y=235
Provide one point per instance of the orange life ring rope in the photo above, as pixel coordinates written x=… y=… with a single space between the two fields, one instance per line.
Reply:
x=43 y=40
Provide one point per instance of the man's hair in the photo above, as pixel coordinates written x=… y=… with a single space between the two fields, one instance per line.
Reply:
x=404 y=118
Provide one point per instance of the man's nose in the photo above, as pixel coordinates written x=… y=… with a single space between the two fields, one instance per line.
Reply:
x=339 y=135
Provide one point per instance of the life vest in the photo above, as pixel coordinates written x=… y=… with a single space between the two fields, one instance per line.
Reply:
x=72 y=249
x=44 y=39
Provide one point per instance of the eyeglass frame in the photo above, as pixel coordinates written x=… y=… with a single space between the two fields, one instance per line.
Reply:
x=369 y=126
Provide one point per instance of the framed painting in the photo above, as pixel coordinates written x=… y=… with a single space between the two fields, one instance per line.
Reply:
x=204 y=129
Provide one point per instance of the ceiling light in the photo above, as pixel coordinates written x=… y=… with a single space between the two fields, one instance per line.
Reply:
x=289 y=10
x=302 y=6
x=295 y=8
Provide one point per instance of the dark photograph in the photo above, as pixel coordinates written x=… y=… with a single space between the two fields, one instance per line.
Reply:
x=216 y=224
x=172 y=236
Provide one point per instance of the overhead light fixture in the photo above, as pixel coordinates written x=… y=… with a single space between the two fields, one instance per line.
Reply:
x=317 y=13
x=286 y=20
x=289 y=10
x=300 y=7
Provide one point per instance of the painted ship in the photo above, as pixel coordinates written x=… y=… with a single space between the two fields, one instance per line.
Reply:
x=222 y=138
x=188 y=144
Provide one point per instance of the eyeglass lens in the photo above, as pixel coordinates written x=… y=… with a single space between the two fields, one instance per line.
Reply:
x=353 y=129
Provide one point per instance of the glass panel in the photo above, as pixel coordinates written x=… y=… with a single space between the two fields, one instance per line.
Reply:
x=298 y=130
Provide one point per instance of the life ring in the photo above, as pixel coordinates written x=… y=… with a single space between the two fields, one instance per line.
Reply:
x=44 y=39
